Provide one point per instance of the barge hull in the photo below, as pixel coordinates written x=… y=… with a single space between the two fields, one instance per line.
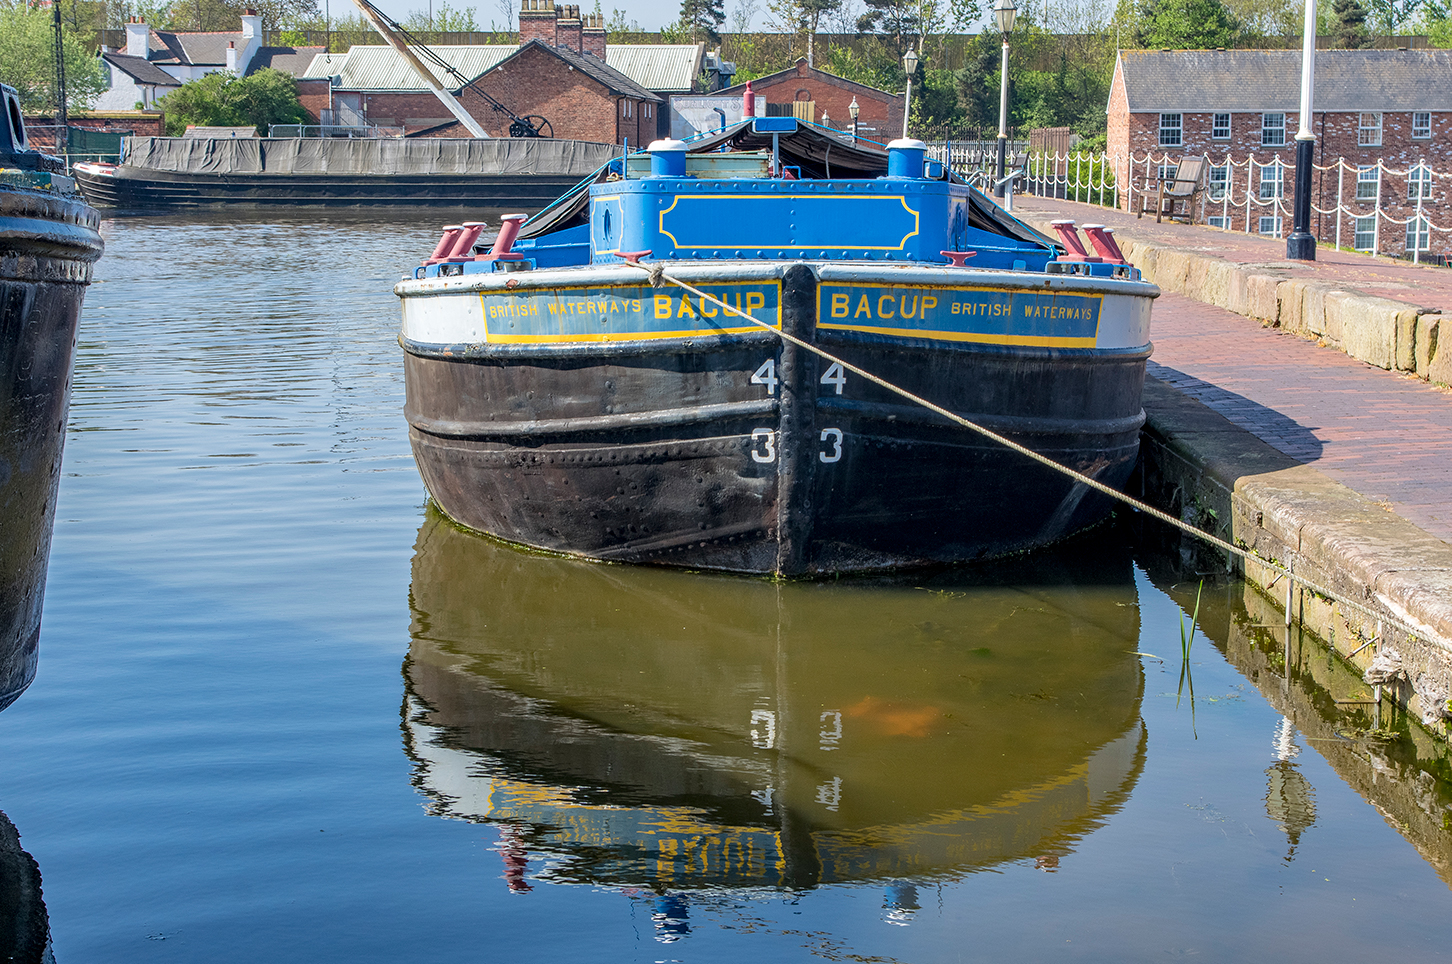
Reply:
x=47 y=247
x=748 y=454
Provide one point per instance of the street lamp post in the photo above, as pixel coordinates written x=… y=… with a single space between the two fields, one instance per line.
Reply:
x=1301 y=243
x=909 y=64
x=854 y=110
x=1003 y=13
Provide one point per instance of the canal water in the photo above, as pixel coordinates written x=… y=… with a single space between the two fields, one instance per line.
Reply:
x=287 y=712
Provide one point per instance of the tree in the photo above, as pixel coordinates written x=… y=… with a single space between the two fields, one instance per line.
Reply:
x=704 y=18
x=27 y=60
x=1185 y=25
x=220 y=100
x=227 y=14
x=801 y=18
x=1348 y=31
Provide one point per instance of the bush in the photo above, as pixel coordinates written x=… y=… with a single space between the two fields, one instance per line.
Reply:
x=220 y=100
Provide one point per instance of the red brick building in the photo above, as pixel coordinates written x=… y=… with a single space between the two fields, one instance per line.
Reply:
x=1386 y=115
x=812 y=95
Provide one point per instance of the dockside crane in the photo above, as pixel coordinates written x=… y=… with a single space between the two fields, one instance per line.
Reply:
x=414 y=53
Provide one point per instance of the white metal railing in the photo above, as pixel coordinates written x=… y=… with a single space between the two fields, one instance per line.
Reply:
x=1252 y=195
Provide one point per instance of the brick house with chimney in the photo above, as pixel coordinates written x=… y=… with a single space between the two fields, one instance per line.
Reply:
x=1387 y=106
x=562 y=71
x=812 y=94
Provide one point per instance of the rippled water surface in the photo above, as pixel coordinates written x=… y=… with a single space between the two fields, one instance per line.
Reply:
x=287 y=712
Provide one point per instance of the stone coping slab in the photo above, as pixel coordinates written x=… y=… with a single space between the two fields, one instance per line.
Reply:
x=1225 y=479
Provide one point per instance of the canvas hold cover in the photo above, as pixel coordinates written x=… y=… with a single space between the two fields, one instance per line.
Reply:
x=380 y=156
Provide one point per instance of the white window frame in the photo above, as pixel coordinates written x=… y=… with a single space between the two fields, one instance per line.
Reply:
x=1219 y=222
x=1368 y=188
x=1218 y=182
x=1274 y=225
x=645 y=105
x=1368 y=129
x=1419 y=177
x=1419 y=230
x=1274 y=187
x=1172 y=130
x=1360 y=230
x=1273 y=130
x=1421 y=125
x=625 y=110
x=1217 y=132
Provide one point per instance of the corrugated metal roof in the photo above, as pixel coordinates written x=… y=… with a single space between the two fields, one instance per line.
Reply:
x=660 y=67
x=656 y=67
x=1270 y=80
x=382 y=68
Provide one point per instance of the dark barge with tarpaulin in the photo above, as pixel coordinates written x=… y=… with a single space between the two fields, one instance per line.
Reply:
x=560 y=396
x=183 y=172
x=49 y=240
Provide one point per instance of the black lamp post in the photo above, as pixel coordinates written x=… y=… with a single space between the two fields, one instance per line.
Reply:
x=1301 y=243
x=1003 y=13
x=854 y=110
x=909 y=64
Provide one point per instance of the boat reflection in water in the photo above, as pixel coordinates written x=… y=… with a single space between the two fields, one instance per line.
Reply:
x=669 y=731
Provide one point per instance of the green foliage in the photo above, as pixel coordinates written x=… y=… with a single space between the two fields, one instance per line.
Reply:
x=872 y=65
x=221 y=100
x=1054 y=80
x=27 y=60
x=704 y=18
x=1185 y=25
x=444 y=18
x=1349 y=28
x=1440 y=33
x=227 y=14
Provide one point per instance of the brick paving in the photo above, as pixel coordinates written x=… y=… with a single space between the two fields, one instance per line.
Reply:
x=1387 y=436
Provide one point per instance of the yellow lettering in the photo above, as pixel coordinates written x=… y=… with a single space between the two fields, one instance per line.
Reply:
x=839 y=305
x=929 y=303
x=662 y=306
x=686 y=308
x=884 y=312
x=755 y=300
x=589 y=308
x=708 y=309
x=862 y=309
x=905 y=312
x=635 y=304
x=614 y=305
x=602 y=306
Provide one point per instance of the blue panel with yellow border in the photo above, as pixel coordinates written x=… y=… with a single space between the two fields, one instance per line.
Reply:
x=992 y=316
x=623 y=313
x=887 y=219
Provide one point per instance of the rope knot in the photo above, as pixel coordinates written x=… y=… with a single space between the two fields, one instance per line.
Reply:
x=657 y=276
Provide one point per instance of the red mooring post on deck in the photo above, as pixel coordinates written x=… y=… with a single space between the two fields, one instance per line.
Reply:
x=463 y=245
x=441 y=250
x=503 y=249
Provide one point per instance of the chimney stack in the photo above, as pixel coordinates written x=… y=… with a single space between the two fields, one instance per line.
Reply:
x=568 y=28
x=537 y=21
x=592 y=36
x=137 y=38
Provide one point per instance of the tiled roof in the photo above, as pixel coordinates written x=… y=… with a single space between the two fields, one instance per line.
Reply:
x=199 y=49
x=594 y=67
x=1260 y=80
x=659 y=67
x=141 y=70
x=289 y=60
x=374 y=67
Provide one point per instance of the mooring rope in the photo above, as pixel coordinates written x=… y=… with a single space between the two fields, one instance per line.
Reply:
x=659 y=278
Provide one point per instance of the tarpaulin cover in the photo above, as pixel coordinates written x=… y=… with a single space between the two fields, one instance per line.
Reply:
x=382 y=156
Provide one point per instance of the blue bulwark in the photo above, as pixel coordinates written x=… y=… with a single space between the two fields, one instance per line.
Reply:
x=993 y=316
x=888 y=219
x=623 y=313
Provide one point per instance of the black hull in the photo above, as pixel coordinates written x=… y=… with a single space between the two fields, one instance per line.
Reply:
x=47 y=247
x=644 y=452
x=134 y=188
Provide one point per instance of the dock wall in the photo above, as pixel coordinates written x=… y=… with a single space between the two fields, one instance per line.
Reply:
x=1212 y=474
x=1393 y=335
